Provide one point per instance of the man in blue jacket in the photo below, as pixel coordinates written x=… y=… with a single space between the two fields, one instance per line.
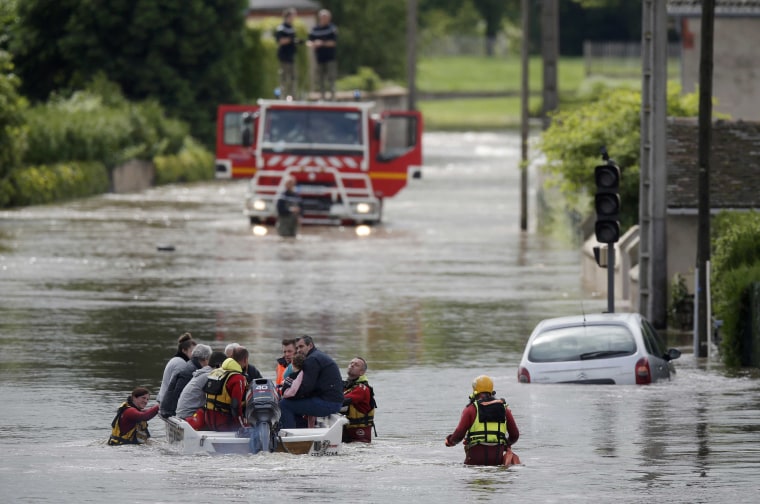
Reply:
x=321 y=390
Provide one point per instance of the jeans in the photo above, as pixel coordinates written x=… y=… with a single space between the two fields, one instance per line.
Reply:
x=312 y=406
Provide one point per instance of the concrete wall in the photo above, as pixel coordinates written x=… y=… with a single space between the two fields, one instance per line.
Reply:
x=595 y=278
x=682 y=248
x=132 y=176
x=736 y=70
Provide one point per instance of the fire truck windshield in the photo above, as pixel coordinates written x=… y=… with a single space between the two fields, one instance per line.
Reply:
x=313 y=127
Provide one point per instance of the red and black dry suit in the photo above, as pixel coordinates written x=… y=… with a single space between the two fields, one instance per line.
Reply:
x=488 y=428
x=360 y=401
x=225 y=397
x=130 y=425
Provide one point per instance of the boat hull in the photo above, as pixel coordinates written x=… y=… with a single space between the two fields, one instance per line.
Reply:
x=324 y=439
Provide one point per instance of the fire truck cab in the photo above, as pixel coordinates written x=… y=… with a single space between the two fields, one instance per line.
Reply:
x=345 y=159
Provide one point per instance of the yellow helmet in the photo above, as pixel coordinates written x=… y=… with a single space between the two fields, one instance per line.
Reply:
x=481 y=384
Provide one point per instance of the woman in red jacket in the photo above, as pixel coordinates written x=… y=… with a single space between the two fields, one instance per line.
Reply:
x=130 y=426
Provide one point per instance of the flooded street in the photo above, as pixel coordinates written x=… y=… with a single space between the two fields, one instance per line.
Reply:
x=446 y=289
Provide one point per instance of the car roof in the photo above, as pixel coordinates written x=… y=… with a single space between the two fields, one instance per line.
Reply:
x=590 y=318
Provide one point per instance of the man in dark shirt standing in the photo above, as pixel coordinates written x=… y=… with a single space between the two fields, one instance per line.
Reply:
x=323 y=38
x=321 y=390
x=286 y=53
x=288 y=209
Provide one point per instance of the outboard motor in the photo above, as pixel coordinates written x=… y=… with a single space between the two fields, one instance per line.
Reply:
x=262 y=410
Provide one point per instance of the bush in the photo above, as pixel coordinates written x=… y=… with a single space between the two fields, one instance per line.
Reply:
x=572 y=145
x=735 y=266
x=365 y=80
x=89 y=127
x=34 y=185
x=12 y=121
x=192 y=163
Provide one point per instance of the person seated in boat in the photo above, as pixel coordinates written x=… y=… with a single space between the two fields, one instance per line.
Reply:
x=130 y=425
x=292 y=383
x=198 y=359
x=487 y=428
x=321 y=390
x=250 y=372
x=358 y=403
x=185 y=345
x=225 y=393
x=193 y=399
x=288 y=351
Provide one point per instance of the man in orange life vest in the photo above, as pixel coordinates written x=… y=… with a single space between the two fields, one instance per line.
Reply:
x=487 y=428
x=288 y=351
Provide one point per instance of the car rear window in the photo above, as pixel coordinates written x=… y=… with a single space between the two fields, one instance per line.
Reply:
x=582 y=343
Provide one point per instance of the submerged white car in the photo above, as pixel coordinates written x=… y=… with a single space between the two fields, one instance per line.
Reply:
x=605 y=348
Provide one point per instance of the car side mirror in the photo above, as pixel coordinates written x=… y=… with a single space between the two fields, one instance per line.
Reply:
x=673 y=353
x=376 y=132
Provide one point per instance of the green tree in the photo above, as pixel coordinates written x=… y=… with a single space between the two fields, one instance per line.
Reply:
x=573 y=141
x=493 y=12
x=371 y=33
x=185 y=53
x=12 y=122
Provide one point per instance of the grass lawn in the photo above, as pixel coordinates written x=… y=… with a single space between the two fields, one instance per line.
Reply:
x=473 y=113
x=474 y=74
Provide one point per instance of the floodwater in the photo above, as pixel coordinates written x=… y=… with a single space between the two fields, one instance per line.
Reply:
x=446 y=289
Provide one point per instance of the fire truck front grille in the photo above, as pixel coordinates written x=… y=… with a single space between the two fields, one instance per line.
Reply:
x=316 y=204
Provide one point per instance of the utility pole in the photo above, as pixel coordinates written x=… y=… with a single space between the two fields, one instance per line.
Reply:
x=705 y=139
x=524 y=126
x=550 y=53
x=411 y=53
x=653 y=281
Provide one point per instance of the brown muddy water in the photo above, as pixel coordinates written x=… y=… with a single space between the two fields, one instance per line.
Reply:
x=446 y=289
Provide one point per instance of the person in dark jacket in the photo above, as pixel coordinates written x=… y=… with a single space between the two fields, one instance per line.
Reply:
x=321 y=390
x=323 y=38
x=198 y=359
x=285 y=36
x=288 y=209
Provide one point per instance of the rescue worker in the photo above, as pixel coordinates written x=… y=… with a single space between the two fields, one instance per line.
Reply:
x=487 y=427
x=130 y=425
x=358 y=403
x=225 y=393
x=288 y=209
x=288 y=351
x=285 y=36
x=323 y=38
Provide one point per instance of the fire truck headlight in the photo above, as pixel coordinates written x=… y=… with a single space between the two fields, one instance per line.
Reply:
x=260 y=205
x=363 y=208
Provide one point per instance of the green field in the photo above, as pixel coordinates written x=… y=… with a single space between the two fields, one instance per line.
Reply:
x=502 y=75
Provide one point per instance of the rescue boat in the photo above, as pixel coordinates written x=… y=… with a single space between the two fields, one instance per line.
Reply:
x=323 y=439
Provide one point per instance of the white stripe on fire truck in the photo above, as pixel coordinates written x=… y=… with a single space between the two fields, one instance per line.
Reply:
x=290 y=160
x=350 y=162
x=335 y=161
x=274 y=160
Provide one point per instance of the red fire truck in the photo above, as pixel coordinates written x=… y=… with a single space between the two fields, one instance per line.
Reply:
x=346 y=159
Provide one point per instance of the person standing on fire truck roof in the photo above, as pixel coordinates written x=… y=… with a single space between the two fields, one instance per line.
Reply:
x=288 y=209
x=286 y=53
x=323 y=38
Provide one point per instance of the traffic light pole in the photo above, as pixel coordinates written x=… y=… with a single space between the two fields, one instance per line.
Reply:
x=610 y=278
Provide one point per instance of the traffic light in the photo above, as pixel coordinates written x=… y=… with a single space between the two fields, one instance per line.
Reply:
x=607 y=203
